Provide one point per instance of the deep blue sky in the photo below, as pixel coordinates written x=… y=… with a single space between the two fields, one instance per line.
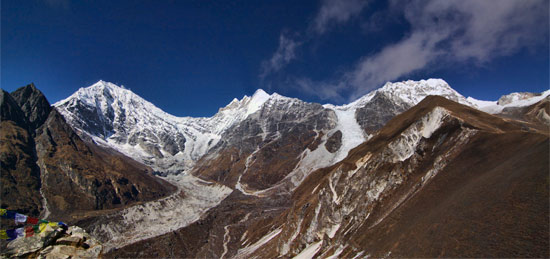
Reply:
x=192 y=57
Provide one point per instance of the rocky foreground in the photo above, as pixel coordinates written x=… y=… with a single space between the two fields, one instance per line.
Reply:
x=54 y=242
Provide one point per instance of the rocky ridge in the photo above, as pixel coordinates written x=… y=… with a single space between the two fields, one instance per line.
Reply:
x=20 y=175
x=53 y=173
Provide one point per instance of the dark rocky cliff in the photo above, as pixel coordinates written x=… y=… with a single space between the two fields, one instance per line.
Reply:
x=75 y=179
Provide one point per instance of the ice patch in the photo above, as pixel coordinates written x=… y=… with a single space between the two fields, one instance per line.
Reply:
x=336 y=253
x=286 y=246
x=310 y=251
x=244 y=252
x=358 y=255
x=256 y=102
x=352 y=134
x=313 y=224
x=405 y=145
x=333 y=230
x=226 y=239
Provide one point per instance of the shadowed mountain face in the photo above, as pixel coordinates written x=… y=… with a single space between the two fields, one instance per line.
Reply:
x=58 y=174
x=439 y=180
x=34 y=105
x=20 y=176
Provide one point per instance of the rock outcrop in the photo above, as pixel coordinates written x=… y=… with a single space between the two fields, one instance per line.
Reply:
x=34 y=105
x=55 y=242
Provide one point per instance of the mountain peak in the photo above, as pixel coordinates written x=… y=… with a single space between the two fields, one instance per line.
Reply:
x=428 y=84
x=413 y=92
x=260 y=93
x=410 y=92
x=107 y=85
x=33 y=103
x=10 y=110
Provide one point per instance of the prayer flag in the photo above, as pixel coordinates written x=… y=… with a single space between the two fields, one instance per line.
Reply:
x=20 y=218
x=20 y=232
x=42 y=227
x=36 y=229
x=32 y=221
x=29 y=231
x=3 y=234
x=53 y=224
x=2 y=212
x=11 y=234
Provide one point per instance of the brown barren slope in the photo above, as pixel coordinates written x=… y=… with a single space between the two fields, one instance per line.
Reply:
x=490 y=201
x=80 y=177
x=477 y=186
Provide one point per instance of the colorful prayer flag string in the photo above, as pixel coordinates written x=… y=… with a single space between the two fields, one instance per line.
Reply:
x=20 y=218
x=38 y=225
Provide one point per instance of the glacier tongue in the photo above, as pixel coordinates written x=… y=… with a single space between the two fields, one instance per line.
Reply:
x=193 y=198
x=352 y=134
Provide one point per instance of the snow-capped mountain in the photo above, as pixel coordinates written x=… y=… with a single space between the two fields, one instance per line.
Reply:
x=508 y=101
x=118 y=118
x=374 y=109
x=276 y=176
x=412 y=92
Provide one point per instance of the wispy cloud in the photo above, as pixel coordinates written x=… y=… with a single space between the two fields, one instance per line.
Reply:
x=330 y=13
x=284 y=54
x=326 y=90
x=443 y=31
x=334 y=12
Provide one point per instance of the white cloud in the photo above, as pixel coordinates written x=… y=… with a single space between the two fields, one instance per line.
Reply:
x=336 y=12
x=284 y=54
x=443 y=31
x=331 y=12
x=323 y=90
